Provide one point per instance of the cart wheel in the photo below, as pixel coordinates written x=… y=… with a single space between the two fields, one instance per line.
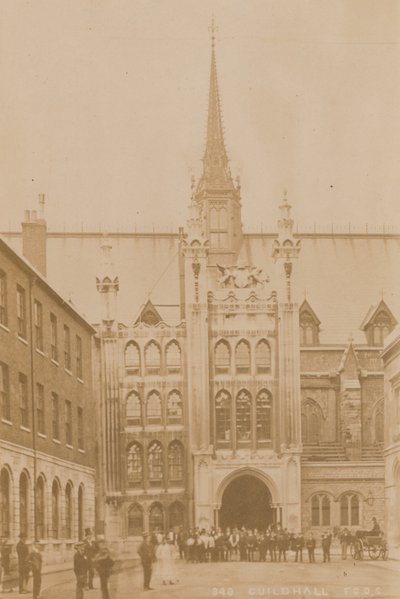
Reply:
x=374 y=551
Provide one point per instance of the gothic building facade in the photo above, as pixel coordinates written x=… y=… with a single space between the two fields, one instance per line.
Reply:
x=241 y=374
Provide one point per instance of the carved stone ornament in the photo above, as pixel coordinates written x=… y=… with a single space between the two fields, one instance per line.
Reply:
x=241 y=277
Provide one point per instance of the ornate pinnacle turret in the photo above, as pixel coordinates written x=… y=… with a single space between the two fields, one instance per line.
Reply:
x=216 y=172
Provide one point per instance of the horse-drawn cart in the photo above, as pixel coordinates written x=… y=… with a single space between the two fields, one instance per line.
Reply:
x=363 y=542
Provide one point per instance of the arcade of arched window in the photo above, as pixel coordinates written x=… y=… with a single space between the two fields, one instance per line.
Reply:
x=153 y=361
x=245 y=421
x=155 y=467
x=151 y=412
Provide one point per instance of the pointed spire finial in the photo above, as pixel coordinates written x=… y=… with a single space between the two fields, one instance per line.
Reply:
x=216 y=172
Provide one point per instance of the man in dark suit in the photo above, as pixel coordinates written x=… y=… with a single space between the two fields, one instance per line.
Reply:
x=147 y=557
x=80 y=569
x=23 y=566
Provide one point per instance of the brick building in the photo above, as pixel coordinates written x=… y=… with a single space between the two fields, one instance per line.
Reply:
x=241 y=374
x=47 y=447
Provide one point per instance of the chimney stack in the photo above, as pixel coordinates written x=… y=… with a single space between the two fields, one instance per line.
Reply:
x=34 y=237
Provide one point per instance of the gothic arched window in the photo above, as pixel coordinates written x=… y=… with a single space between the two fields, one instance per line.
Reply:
x=132 y=358
x=349 y=510
x=263 y=357
x=135 y=520
x=68 y=511
x=152 y=356
x=218 y=227
x=243 y=416
x=242 y=357
x=381 y=327
x=155 y=463
x=263 y=415
x=134 y=465
x=223 y=416
x=173 y=357
x=222 y=357
x=176 y=513
x=308 y=329
x=379 y=425
x=320 y=510
x=55 y=509
x=175 y=462
x=154 y=409
x=311 y=420
x=40 y=508
x=156 y=517
x=5 y=514
x=133 y=409
x=23 y=503
x=174 y=408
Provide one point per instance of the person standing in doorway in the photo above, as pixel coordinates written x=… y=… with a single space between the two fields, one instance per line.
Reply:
x=23 y=566
x=147 y=557
x=34 y=562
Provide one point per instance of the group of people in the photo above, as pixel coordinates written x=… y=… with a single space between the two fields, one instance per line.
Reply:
x=245 y=544
x=90 y=554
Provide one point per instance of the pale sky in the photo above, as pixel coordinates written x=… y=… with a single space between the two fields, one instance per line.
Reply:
x=103 y=108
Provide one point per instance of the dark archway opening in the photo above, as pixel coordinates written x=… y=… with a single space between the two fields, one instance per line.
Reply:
x=246 y=502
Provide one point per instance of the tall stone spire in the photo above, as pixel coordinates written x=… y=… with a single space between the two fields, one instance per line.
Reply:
x=216 y=172
x=216 y=198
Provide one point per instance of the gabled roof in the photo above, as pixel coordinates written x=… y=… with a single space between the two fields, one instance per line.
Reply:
x=147 y=313
x=372 y=313
x=305 y=307
x=349 y=363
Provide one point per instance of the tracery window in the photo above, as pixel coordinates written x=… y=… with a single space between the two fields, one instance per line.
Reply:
x=349 y=510
x=135 y=520
x=222 y=357
x=40 y=508
x=263 y=415
x=174 y=408
x=223 y=416
x=156 y=517
x=5 y=514
x=311 y=418
x=132 y=358
x=133 y=409
x=381 y=327
x=242 y=357
x=155 y=462
x=218 y=227
x=243 y=416
x=134 y=464
x=175 y=461
x=152 y=355
x=308 y=329
x=320 y=510
x=154 y=410
x=263 y=357
x=173 y=357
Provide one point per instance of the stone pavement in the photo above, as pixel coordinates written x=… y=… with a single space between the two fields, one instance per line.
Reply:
x=241 y=580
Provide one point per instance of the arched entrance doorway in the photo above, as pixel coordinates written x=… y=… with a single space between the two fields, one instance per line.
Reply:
x=246 y=501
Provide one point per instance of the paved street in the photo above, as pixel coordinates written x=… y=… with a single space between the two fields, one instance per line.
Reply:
x=240 y=580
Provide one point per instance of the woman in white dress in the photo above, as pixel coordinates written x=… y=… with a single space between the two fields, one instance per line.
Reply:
x=165 y=562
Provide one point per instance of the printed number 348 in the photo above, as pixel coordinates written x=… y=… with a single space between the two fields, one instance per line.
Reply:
x=223 y=592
